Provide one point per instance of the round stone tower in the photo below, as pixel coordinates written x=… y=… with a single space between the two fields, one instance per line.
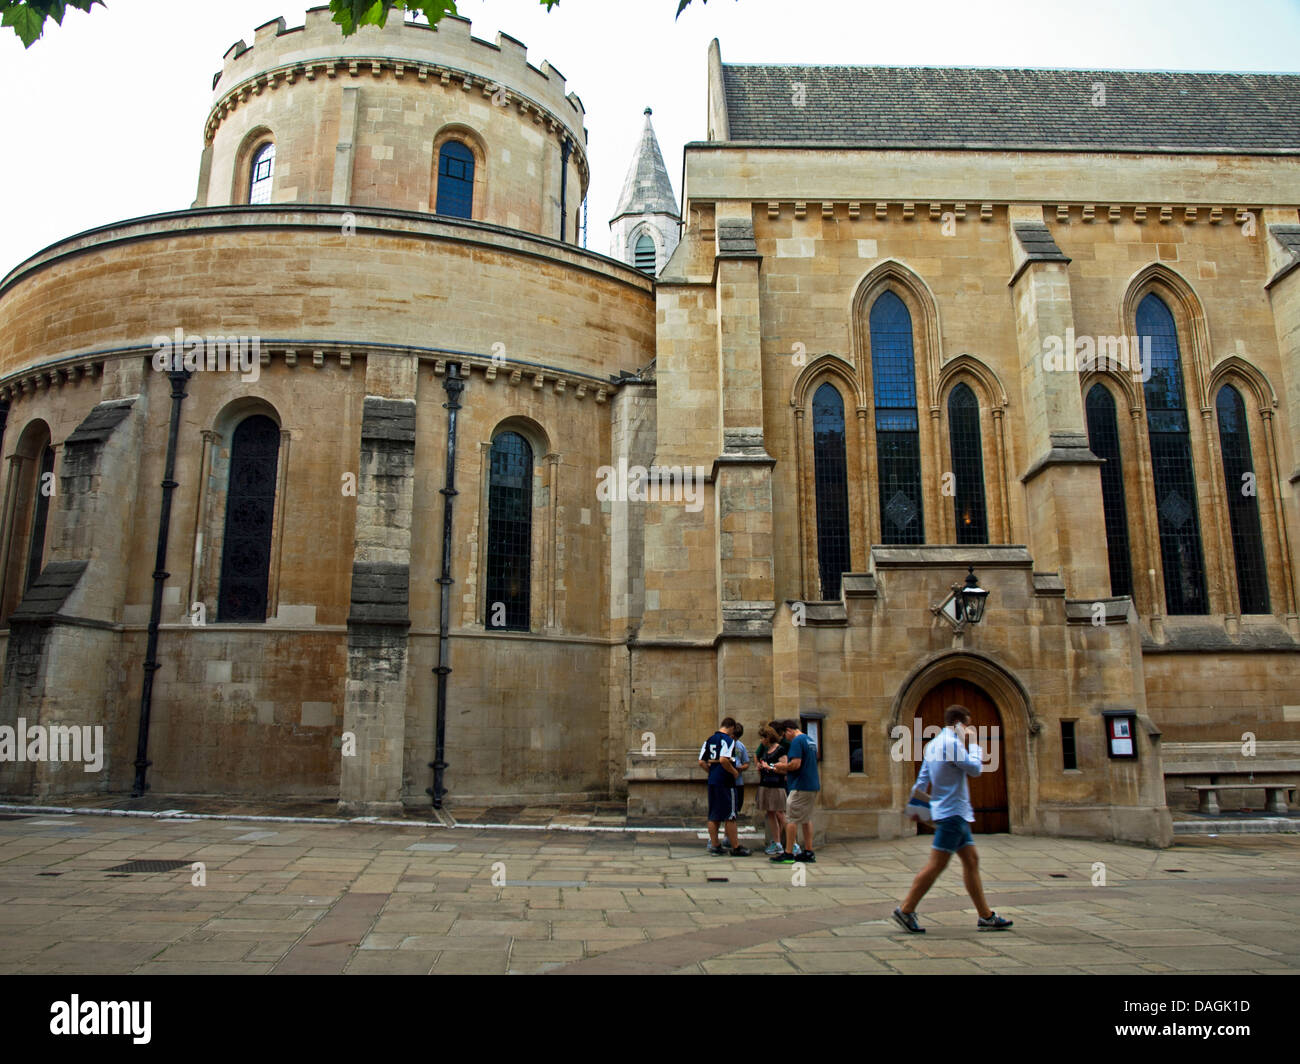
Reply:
x=409 y=118
x=259 y=390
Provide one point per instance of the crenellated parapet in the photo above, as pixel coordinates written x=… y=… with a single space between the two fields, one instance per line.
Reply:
x=363 y=121
x=445 y=56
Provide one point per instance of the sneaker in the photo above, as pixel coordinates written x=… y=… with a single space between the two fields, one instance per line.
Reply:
x=806 y=856
x=907 y=921
x=782 y=858
x=773 y=847
x=740 y=851
x=716 y=851
x=993 y=922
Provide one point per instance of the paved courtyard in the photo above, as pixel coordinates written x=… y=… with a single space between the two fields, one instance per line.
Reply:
x=362 y=898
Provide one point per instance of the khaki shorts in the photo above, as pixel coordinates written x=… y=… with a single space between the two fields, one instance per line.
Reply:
x=799 y=806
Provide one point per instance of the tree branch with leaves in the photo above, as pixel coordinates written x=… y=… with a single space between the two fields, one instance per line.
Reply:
x=28 y=17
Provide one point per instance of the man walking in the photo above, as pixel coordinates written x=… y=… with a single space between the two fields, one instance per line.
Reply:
x=717 y=757
x=800 y=767
x=947 y=762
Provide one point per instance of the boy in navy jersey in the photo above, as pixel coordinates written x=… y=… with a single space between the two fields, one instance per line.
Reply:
x=717 y=757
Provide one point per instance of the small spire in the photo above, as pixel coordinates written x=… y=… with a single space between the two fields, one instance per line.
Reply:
x=647 y=190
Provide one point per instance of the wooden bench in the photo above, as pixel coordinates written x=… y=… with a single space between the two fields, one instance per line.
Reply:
x=1274 y=794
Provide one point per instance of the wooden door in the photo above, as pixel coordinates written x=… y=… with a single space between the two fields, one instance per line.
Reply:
x=988 y=790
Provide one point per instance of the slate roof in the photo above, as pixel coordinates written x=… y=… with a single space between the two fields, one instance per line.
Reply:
x=101 y=421
x=1029 y=109
x=1038 y=242
x=647 y=190
x=49 y=591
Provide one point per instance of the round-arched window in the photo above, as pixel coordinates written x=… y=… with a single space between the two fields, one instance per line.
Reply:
x=455 y=180
x=260 y=174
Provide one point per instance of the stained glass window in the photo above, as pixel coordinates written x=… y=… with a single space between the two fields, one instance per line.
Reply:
x=455 y=180
x=967 y=465
x=898 y=444
x=1243 y=502
x=830 y=473
x=250 y=510
x=510 y=528
x=1103 y=438
x=40 y=516
x=1171 y=463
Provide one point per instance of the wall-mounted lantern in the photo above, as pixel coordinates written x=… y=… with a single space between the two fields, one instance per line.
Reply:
x=965 y=602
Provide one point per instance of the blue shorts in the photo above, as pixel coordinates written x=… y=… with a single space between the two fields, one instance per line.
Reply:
x=722 y=803
x=951 y=834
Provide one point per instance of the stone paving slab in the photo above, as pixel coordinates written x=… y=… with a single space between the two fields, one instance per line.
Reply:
x=357 y=898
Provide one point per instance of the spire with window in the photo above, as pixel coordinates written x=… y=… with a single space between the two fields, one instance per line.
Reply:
x=647 y=223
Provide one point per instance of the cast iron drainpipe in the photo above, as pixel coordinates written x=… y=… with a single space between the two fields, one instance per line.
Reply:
x=454 y=385
x=565 y=148
x=160 y=575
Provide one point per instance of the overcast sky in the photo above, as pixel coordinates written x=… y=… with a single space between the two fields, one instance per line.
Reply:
x=103 y=117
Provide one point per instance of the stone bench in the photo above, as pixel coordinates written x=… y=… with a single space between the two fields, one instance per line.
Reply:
x=1274 y=794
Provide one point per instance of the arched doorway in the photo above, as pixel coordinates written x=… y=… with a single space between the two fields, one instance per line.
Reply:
x=988 y=790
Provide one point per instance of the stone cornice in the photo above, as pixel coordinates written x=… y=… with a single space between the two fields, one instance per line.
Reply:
x=951 y=556
x=1001 y=148
x=330 y=218
x=1073 y=212
x=308 y=355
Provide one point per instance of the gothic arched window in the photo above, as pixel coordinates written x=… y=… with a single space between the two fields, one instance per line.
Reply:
x=250 y=511
x=1171 y=462
x=510 y=532
x=830 y=474
x=967 y=465
x=898 y=443
x=643 y=258
x=40 y=516
x=1243 y=502
x=1103 y=439
x=455 y=180
x=260 y=173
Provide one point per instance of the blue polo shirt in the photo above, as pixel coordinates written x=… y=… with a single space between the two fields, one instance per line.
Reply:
x=806 y=779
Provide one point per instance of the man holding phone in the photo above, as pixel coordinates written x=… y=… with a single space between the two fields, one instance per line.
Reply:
x=799 y=766
x=947 y=763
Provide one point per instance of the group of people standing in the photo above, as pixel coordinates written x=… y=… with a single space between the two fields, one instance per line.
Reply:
x=788 y=783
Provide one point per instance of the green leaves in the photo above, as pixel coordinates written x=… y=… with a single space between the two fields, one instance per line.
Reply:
x=26 y=23
x=27 y=17
x=351 y=15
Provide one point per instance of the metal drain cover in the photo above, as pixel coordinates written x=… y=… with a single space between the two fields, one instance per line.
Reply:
x=149 y=866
